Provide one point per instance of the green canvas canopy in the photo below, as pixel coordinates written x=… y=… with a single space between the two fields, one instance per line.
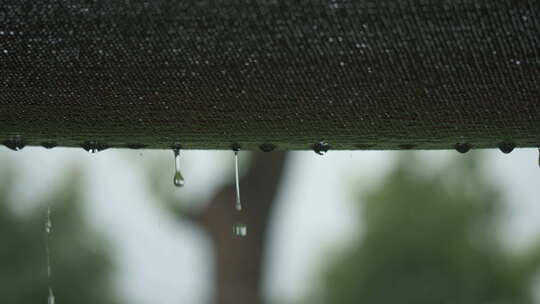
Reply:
x=366 y=74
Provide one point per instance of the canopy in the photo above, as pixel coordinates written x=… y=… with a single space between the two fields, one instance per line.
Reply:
x=366 y=74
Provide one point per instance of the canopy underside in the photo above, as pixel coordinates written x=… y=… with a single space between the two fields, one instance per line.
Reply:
x=367 y=74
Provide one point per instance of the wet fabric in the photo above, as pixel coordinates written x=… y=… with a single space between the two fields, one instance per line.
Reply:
x=367 y=74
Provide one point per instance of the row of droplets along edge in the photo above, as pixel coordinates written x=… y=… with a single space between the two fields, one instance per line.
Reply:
x=18 y=143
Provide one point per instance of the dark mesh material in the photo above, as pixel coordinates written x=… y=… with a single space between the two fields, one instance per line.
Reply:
x=366 y=74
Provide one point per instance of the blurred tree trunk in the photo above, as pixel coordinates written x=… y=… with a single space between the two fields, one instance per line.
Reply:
x=239 y=259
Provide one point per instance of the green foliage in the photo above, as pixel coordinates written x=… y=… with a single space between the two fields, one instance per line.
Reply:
x=80 y=265
x=430 y=238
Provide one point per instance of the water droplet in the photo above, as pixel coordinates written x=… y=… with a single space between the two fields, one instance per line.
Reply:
x=93 y=146
x=48 y=229
x=240 y=229
x=48 y=222
x=267 y=147
x=462 y=147
x=321 y=147
x=48 y=144
x=51 y=299
x=407 y=146
x=178 y=179
x=136 y=146
x=238 y=204
x=538 y=157
x=15 y=143
x=506 y=147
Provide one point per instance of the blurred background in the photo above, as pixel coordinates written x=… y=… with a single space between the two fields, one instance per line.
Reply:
x=347 y=227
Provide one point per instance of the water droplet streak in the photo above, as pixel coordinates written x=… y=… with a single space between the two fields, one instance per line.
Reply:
x=48 y=223
x=51 y=299
x=178 y=179
x=48 y=230
x=239 y=229
x=238 y=204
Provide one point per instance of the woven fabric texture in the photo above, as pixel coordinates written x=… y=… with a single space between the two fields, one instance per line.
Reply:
x=365 y=74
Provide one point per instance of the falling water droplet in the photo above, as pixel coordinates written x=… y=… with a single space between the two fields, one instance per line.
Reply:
x=240 y=229
x=51 y=300
x=178 y=179
x=15 y=143
x=48 y=222
x=48 y=229
x=238 y=204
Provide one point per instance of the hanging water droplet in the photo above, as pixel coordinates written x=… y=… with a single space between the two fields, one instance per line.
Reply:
x=321 y=147
x=51 y=299
x=506 y=147
x=462 y=147
x=267 y=147
x=238 y=204
x=93 y=146
x=49 y=144
x=240 y=229
x=407 y=146
x=178 y=179
x=538 y=157
x=15 y=143
x=136 y=146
